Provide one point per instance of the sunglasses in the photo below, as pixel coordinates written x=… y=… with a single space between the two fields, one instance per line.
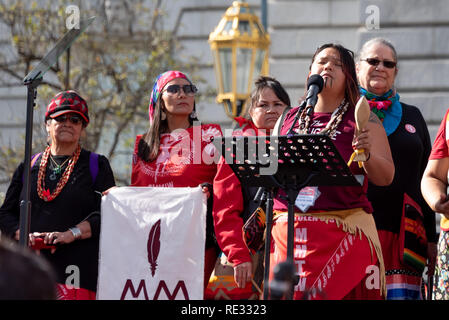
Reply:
x=375 y=62
x=189 y=89
x=73 y=119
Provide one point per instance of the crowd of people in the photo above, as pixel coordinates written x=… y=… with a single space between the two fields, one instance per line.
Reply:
x=340 y=236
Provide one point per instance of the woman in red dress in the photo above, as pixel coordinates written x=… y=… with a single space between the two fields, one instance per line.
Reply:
x=268 y=102
x=176 y=150
x=337 y=254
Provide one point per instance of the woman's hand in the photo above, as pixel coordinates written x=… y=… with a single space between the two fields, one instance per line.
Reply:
x=52 y=238
x=107 y=191
x=442 y=205
x=363 y=141
x=206 y=188
x=373 y=139
x=57 y=237
x=243 y=273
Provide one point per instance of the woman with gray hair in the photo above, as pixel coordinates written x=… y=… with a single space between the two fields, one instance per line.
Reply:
x=400 y=204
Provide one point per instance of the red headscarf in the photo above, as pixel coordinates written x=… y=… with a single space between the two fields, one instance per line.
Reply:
x=159 y=84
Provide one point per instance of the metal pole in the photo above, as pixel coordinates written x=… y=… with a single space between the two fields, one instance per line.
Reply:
x=264 y=9
x=67 y=70
x=32 y=80
x=25 y=204
x=269 y=224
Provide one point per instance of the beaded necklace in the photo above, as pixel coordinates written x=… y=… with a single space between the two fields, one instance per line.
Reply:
x=331 y=126
x=44 y=193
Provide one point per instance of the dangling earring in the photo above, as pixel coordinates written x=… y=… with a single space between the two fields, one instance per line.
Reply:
x=163 y=115
x=193 y=115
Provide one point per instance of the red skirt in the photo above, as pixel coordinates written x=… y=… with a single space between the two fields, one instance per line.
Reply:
x=331 y=263
x=402 y=282
x=64 y=292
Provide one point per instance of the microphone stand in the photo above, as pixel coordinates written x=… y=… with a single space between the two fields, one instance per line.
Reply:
x=291 y=175
x=32 y=81
x=292 y=193
x=269 y=224
x=283 y=280
x=314 y=86
x=25 y=204
x=298 y=113
x=289 y=266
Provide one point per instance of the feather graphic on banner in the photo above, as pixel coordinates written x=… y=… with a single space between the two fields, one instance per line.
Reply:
x=154 y=245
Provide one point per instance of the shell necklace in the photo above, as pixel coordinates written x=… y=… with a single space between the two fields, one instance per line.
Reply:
x=44 y=193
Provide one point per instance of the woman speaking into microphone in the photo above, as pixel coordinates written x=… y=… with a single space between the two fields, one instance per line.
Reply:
x=336 y=244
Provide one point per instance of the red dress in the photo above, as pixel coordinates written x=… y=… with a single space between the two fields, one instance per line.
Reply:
x=186 y=159
x=227 y=218
x=333 y=260
x=228 y=223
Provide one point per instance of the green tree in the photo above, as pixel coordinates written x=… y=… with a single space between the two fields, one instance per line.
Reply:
x=112 y=65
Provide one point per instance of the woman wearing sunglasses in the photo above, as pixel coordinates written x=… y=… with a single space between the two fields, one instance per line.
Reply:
x=66 y=186
x=410 y=145
x=174 y=151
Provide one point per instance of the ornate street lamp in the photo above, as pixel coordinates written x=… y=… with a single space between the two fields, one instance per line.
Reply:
x=239 y=45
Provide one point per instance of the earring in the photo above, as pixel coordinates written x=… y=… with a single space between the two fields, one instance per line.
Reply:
x=193 y=115
x=163 y=115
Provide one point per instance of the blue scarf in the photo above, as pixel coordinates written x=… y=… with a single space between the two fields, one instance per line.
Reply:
x=392 y=115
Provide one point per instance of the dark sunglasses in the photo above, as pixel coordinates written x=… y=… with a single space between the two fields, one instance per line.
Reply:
x=375 y=62
x=73 y=119
x=189 y=89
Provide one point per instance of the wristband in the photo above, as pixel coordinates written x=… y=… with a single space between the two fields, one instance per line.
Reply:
x=76 y=232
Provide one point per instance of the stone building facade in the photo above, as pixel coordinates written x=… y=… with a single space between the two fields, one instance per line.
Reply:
x=418 y=28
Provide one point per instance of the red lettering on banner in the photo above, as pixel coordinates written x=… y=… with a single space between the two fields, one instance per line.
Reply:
x=129 y=286
x=181 y=285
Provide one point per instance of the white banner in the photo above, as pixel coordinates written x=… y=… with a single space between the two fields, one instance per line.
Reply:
x=152 y=244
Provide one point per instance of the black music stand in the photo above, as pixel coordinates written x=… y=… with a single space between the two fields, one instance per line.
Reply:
x=289 y=163
x=32 y=81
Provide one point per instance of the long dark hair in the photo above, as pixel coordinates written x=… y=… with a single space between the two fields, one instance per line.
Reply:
x=148 y=148
x=348 y=66
x=268 y=82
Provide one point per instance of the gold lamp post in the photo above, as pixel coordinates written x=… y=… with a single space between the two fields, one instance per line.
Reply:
x=239 y=45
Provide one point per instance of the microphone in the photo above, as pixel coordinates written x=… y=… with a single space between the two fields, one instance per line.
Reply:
x=283 y=281
x=314 y=86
